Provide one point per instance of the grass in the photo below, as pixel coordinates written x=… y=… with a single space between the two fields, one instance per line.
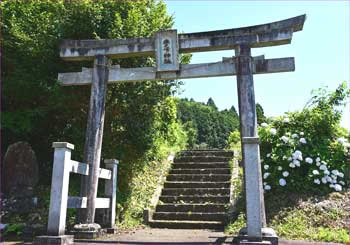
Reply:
x=296 y=216
x=141 y=189
x=310 y=217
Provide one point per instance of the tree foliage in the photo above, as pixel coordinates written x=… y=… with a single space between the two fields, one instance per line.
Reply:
x=211 y=103
x=309 y=144
x=139 y=116
x=260 y=114
x=206 y=127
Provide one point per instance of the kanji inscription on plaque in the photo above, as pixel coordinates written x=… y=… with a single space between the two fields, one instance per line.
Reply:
x=167 y=50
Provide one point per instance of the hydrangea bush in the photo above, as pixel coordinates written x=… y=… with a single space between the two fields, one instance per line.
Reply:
x=306 y=150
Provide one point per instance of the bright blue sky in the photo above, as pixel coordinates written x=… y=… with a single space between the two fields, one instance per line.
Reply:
x=321 y=50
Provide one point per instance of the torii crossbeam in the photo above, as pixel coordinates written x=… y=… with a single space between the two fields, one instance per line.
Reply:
x=165 y=46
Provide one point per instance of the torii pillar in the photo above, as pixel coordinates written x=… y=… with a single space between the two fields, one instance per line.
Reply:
x=256 y=218
x=94 y=135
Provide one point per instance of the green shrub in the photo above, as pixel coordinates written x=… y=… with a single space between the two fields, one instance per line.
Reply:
x=234 y=227
x=234 y=140
x=331 y=235
x=16 y=229
x=306 y=150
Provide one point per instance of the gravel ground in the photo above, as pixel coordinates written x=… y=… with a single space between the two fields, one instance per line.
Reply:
x=175 y=236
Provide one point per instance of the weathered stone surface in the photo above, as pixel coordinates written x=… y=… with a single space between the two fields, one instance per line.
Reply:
x=111 y=192
x=196 y=196
x=81 y=202
x=215 y=69
x=93 y=136
x=250 y=146
x=87 y=231
x=59 y=190
x=20 y=170
x=87 y=227
x=269 y=236
x=166 y=50
x=275 y=33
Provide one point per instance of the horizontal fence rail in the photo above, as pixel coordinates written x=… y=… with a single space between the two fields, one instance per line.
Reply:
x=83 y=169
x=81 y=202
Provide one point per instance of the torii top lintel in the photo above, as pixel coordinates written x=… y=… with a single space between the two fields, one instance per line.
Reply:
x=271 y=34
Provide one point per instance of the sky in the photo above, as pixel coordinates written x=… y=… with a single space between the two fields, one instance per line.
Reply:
x=321 y=50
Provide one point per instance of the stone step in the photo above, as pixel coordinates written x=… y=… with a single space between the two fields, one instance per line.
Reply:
x=202 y=159
x=187 y=184
x=195 y=191
x=199 y=177
x=201 y=171
x=206 y=153
x=190 y=216
x=195 y=199
x=204 y=208
x=192 y=165
x=176 y=224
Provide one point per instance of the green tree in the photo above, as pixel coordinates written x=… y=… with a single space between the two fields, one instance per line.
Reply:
x=261 y=118
x=212 y=126
x=211 y=103
x=192 y=134
x=233 y=111
x=38 y=110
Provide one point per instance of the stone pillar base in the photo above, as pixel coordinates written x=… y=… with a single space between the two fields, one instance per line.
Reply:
x=86 y=234
x=268 y=237
x=87 y=231
x=54 y=240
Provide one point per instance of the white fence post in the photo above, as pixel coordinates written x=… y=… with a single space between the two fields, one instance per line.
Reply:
x=59 y=188
x=111 y=191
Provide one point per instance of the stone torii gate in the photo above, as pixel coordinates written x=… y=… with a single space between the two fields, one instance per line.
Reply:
x=166 y=46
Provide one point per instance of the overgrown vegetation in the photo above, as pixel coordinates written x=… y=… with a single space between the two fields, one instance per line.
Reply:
x=142 y=189
x=311 y=202
x=304 y=217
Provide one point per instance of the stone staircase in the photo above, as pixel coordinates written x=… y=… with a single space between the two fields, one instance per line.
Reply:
x=196 y=192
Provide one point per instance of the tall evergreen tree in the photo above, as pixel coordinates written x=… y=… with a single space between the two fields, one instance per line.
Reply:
x=211 y=103
x=233 y=110
x=260 y=114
